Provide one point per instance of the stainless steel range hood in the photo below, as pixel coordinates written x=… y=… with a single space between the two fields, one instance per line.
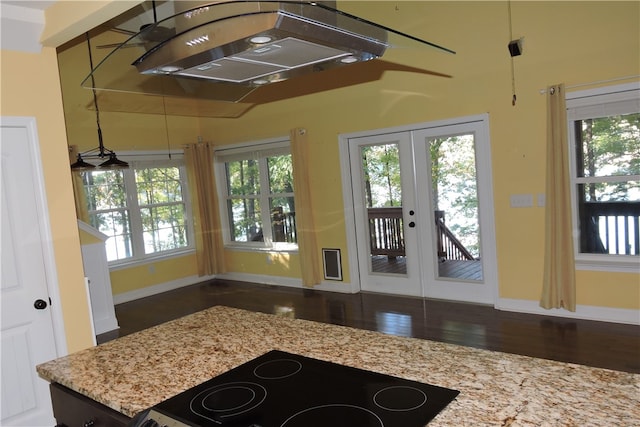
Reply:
x=224 y=51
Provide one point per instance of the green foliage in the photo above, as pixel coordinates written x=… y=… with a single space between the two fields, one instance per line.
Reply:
x=453 y=182
x=381 y=166
x=159 y=197
x=244 y=193
x=454 y=185
x=609 y=146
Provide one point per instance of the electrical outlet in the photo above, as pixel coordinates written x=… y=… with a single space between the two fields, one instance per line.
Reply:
x=521 y=200
x=541 y=199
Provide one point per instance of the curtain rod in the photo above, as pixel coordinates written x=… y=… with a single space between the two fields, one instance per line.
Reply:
x=637 y=76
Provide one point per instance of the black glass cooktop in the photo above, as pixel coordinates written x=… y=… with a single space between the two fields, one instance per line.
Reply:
x=280 y=389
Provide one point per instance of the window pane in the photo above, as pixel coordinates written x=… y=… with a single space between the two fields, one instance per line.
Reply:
x=283 y=219
x=104 y=189
x=161 y=209
x=163 y=228
x=455 y=188
x=382 y=175
x=243 y=177
x=610 y=191
x=158 y=185
x=280 y=174
x=244 y=218
x=608 y=146
x=116 y=225
x=609 y=218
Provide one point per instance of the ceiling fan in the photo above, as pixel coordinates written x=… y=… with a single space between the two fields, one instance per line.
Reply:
x=148 y=33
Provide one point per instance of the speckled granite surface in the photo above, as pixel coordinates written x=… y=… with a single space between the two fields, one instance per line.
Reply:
x=497 y=389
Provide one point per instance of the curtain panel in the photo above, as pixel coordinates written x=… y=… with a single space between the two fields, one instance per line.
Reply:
x=204 y=202
x=558 y=286
x=80 y=196
x=305 y=224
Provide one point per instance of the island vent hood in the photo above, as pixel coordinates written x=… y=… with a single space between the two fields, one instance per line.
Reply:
x=226 y=50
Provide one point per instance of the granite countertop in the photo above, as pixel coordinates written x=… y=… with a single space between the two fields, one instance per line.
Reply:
x=137 y=371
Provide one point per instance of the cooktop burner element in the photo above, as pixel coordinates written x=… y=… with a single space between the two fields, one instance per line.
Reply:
x=280 y=389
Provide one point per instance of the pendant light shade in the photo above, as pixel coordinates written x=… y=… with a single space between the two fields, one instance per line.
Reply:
x=114 y=163
x=100 y=152
x=80 y=165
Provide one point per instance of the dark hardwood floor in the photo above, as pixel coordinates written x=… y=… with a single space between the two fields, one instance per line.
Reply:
x=598 y=344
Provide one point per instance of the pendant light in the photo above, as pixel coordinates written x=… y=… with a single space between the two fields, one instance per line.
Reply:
x=100 y=152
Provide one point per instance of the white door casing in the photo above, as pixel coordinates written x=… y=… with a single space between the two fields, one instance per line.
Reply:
x=29 y=336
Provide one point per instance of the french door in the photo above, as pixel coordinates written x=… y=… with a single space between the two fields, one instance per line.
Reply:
x=384 y=207
x=423 y=211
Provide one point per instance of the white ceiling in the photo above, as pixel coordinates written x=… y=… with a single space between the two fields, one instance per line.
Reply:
x=21 y=24
x=31 y=4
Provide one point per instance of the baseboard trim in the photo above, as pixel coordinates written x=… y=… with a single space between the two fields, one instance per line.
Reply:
x=330 y=286
x=159 y=288
x=585 y=312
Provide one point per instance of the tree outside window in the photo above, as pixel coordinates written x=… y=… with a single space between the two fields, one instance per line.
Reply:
x=142 y=210
x=260 y=204
x=608 y=183
x=604 y=140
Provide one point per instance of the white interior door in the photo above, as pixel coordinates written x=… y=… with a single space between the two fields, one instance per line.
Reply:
x=385 y=213
x=27 y=325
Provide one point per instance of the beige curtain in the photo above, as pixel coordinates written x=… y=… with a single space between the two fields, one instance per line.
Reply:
x=78 y=188
x=204 y=201
x=559 y=287
x=305 y=226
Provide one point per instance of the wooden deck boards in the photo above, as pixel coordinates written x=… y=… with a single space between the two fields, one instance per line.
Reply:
x=455 y=269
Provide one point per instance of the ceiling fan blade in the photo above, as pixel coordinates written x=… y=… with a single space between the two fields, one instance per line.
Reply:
x=122 y=31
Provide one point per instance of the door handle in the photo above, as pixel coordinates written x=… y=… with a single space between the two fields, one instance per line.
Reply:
x=40 y=304
x=412 y=224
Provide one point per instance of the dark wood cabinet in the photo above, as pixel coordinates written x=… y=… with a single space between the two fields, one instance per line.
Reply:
x=72 y=409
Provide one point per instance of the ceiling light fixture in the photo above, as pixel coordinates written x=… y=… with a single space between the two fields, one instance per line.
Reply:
x=100 y=152
x=260 y=39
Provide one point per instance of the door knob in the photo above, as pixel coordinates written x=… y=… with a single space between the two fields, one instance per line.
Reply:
x=412 y=224
x=40 y=304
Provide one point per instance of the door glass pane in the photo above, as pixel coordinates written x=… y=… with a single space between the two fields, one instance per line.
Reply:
x=383 y=199
x=455 y=204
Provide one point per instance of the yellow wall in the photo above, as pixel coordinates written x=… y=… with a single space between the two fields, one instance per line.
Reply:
x=570 y=42
x=152 y=273
x=30 y=87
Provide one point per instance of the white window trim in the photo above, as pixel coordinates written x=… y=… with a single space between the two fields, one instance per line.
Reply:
x=579 y=103
x=141 y=159
x=222 y=154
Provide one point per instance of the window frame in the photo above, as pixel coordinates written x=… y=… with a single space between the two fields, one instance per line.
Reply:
x=258 y=150
x=622 y=99
x=143 y=160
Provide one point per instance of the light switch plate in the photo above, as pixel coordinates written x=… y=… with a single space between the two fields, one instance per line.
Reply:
x=521 y=200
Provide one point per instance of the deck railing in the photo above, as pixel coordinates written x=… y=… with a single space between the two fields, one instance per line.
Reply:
x=610 y=228
x=386 y=235
x=449 y=247
x=385 y=231
x=284 y=226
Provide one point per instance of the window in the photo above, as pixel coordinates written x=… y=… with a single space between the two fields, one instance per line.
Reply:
x=142 y=209
x=256 y=183
x=604 y=133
